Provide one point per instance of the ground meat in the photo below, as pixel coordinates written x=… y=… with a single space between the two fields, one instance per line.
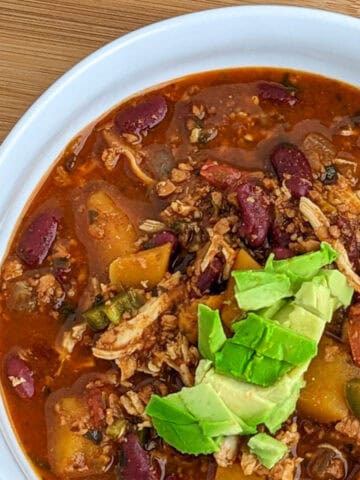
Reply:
x=350 y=427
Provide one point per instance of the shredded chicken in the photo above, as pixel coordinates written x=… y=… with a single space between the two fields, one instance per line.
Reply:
x=73 y=336
x=321 y=225
x=121 y=342
x=228 y=451
x=218 y=245
x=117 y=148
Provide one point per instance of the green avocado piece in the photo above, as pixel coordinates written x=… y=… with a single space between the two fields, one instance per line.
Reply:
x=255 y=289
x=265 y=371
x=301 y=321
x=211 y=333
x=210 y=411
x=315 y=296
x=169 y=407
x=241 y=398
x=269 y=312
x=233 y=359
x=267 y=449
x=273 y=340
x=339 y=287
x=185 y=438
x=284 y=410
x=302 y=267
x=243 y=363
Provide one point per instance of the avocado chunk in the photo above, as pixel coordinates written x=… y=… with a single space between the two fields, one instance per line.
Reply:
x=301 y=321
x=255 y=289
x=274 y=341
x=244 y=363
x=302 y=267
x=170 y=407
x=267 y=449
x=211 y=333
x=315 y=296
x=284 y=410
x=269 y=312
x=210 y=411
x=185 y=438
x=339 y=287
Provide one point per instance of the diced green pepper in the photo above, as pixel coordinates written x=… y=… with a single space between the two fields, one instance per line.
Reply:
x=96 y=318
x=352 y=392
x=101 y=315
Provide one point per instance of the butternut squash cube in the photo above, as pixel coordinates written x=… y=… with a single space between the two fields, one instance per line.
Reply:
x=142 y=269
x=323 y=397
x=71 y=455
x=110 y=228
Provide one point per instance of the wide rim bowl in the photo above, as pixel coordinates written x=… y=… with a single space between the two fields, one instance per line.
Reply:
x=278 y=36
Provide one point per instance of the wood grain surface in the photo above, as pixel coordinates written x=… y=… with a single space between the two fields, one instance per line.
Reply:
x=41 y=39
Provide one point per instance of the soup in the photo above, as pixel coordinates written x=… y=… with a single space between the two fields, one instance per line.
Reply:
x=180 y=298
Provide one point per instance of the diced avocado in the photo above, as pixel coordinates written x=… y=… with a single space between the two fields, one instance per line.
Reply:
x=211 y=333
x=170 y=408
x=301 y=321
x=233 y=359
x=259 y=289
x=315 y=296
x=206 y=406
x=203 y=367
x=243 y=363
x=269 y=312
x=245 y=400
x=265 y=371
x=274 y=341
x=302 y=267
x=267 y=449
x=284 y=410
x=185 y=438
x=339 y=287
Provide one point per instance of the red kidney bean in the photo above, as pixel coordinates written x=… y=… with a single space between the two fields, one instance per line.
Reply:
x=211 y=275
x=292 y=166
x=222 y=176
x=166 y=236
x=20 y=375
x=255 y=213
x=279 y=237
x=276 y=92
x=38 y=237
x=135 y=460
x=281 y=253
x=140 y=118
x=172 y=477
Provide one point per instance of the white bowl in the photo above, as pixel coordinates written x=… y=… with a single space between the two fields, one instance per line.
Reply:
x=309 y=40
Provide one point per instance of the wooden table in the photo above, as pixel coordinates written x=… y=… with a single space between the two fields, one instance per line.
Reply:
x=41 y=39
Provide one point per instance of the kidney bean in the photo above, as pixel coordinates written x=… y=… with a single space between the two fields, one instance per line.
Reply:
x=140 y=118
x=211 y=275
x=282 y=253
x=38 y=237
x=166 y=236
x=135 y=462
x=279 y=237
x=292 y=166
x=255 y=213
x=276 y=92
x=222 y=176
x=20 y=376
